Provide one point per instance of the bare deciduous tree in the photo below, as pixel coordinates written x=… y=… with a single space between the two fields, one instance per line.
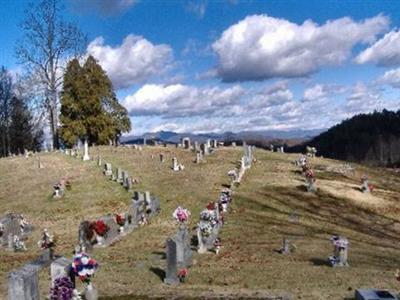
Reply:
x=47 y=44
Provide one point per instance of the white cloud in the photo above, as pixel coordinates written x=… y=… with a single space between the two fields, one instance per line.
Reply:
x=277 y=94
x=134 y=61
x=261 y=47
x=391 y=77
x=178 y=100
x=385 y=52
x=322 y=92
x=363 y=99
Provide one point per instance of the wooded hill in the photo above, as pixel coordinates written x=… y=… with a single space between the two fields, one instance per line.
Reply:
x=368 y=138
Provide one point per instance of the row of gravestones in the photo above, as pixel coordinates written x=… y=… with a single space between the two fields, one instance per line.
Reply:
x=143 y=207
x=178 y=248
x=245 y=163
x=201 y=150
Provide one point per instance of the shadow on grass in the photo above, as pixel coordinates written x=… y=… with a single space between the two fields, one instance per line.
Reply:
x=316 y=261
x=159 y=272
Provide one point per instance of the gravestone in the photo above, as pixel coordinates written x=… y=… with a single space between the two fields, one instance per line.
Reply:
x=339 y=258
x=205 y=149
x=61 y=267
x=196 y=146
x=40 y=166
x=175 y=165
x=85 y=235
x=113 y=230
x=99 y=161
x=108 y=169
x=183 y=250
x=125 y=176
x=11 y=225
x=161 y=157
x=128 y=184
x=171 y=276
x=23 y=284
x=233 y=144
x=86 y=151
x=199 y=158
x=119 y=175
x=374 y=294
x=186 y=143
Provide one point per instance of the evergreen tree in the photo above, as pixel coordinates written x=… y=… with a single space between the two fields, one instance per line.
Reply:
x=89 y=107
x=5 y=108
x=21 y=129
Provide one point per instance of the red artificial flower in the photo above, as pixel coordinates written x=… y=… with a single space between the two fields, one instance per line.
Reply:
x=211 y=206
x=99 y=227
x=183 y=272
x=371 y=187
x=120 y=219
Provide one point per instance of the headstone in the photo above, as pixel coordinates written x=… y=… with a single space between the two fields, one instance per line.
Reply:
x=86 y=151
x=183 y=250
x=199 y=157
x=161 y=157
x=23 y=284
x=171 y=276
x=99 y=161
x=374 y=294
x=129 y=183
x=175 y=165
x=339 y=258
x=85 y=235
x=40 y=166
x=108 y=169
x=186 y=143
x=233 y=144
x=61 y=267
x=119 y=175
x=196 y=146
x=125 y=176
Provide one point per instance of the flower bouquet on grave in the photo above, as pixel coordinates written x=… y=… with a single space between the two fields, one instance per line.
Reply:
x=205 y=215
x=101 y=229
x=84 y=267
x=63 y=289
x=47 y=241
x=205 y=228
x=211 y=206
x=339 y=242
x=120 y=220
x=217 y=245
x=182 y=274
x=181 y=215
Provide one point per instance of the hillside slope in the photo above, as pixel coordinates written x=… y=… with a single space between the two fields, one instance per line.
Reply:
x=262 y=213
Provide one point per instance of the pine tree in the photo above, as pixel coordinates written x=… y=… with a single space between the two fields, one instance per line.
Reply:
x=21 y=129
x=89 y=107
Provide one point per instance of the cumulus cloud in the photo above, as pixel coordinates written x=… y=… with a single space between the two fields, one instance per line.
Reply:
x=391 y=77
x=261 y=47
x=277 y=94
x=103 y=7
x=178 y=100
x=322 y=92
x=385 y=52
x=132 y=62
x=363 y=99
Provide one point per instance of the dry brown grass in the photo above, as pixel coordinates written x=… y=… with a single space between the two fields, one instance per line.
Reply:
x=248 y=264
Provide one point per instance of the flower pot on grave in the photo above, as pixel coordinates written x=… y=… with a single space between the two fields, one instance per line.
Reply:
x=99 y=239
x=91 y=292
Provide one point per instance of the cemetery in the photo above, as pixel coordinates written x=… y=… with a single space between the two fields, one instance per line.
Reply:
x=216 y=229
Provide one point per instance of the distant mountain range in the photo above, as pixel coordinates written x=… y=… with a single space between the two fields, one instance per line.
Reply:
x=261 y=137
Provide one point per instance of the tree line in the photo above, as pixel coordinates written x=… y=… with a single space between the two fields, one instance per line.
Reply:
x=73 y=101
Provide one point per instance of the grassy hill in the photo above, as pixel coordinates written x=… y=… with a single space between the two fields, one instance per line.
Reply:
x=248 y=264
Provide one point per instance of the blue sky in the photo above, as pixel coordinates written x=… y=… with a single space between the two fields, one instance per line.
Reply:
x=231 y=65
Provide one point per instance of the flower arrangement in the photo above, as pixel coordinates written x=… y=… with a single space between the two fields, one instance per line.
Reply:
x=211 y=206
x=84 y=267
x=120 y=219
x=309 y=174
x=181 y=215
x=339 y=242
x=47 y=241
x=99 y=227
x=217 y=245
x=205 y=228
x=63 y=289
x=182 y=274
